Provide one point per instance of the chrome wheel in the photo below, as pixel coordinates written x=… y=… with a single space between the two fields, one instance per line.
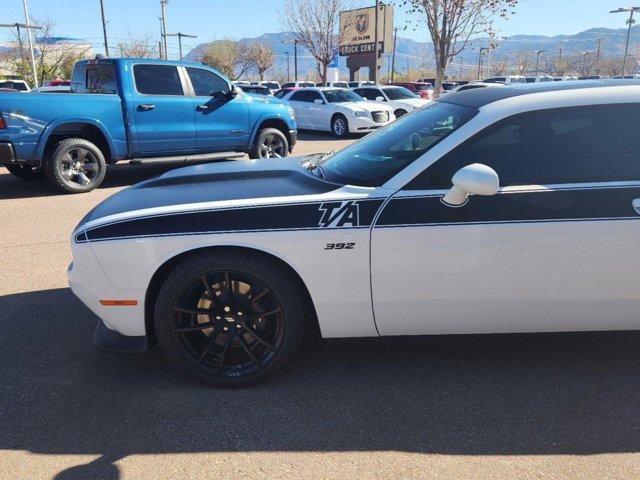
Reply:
x=227 y=323
x=79 y=167
x=272 y=146
x=339 y=127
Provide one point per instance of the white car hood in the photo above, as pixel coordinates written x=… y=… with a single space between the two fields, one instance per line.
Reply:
x=368 y=106
x=414 y=102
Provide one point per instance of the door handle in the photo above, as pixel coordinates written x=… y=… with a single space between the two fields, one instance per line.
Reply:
x=202 y=108
x=144 y=107
x=636 y=205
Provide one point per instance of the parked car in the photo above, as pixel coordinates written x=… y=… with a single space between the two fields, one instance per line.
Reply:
x=474 y=85
x=137 y=108
x=506 y=80
x=423 y=89
x=284 y=91
x=337 y=110
x=298 y=85
x=56 y=89
x=564 y=79
x=446 y=85
x=477 y=214
x=19 y=85
x=539 y=79
x=256 y=90
x=334 y=84
x=399 y=99
x=271 y=85
x=360 y=84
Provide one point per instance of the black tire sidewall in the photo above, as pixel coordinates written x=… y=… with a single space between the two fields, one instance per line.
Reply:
x=346 y=125
x=254 y=153
x=400 y=113
x=277 y=279
x=64 y=146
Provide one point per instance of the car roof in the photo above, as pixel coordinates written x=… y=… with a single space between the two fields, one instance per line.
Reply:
x=479 y=97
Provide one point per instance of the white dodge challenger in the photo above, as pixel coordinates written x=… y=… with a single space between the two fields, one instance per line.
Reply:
x=512 y=209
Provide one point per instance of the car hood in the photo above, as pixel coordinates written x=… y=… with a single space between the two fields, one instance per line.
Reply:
x=203 y=186
x=368 y=106
x=414 y=102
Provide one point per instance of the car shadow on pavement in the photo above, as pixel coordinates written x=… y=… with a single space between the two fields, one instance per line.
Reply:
x=466 y=395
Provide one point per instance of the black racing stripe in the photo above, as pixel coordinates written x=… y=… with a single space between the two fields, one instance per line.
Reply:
x=542 y=205
x=265 y=218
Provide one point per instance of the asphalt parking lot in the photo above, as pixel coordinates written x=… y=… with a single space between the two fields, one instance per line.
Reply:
x=490 y=407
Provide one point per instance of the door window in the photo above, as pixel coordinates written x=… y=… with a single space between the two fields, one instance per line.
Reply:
x=157 y=80
x=206 y=83
x=369 y=93
x=578 y=145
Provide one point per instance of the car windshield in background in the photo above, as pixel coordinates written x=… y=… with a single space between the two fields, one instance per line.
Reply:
x=380 y=155
x=421 y=88
x=14 y=85
x=399 y=93
x=256 y=90
x=272 y=86
x=341 y=96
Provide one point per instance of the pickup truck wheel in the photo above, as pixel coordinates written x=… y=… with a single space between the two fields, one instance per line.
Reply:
x=76 y=166
x=229 y=319
x=26 y=172
x=269 y=143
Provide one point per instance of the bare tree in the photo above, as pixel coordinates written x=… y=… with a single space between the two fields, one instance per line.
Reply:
x=500 y=67
x=315 y=25
x=262 y=57
x=452 y=23
x=229 y=57
x=522 y=62
x=138 y=47
x=561 y=66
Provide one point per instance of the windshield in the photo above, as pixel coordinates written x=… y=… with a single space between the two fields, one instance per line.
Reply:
x=380 y=155
x=271 y=85
x=341 y=96
x=399 y=93
x=422 y=88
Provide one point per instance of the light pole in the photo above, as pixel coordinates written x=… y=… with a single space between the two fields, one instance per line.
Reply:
x=585 y=73
x=393 y=56
x=180 y=36
x=288 y=66
x=538 y=52
x=482 y=49
x=294 y=42
x=104 y=29
x=163 y=3
x=376 y=49
x=33 y=58
x=631 y=21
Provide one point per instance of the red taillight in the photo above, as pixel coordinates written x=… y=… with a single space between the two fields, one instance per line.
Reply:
x=3 y=124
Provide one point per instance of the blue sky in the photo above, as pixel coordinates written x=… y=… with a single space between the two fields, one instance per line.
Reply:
x=215 y=19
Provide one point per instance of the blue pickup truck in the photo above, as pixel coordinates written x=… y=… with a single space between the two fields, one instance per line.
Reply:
x=131 y=108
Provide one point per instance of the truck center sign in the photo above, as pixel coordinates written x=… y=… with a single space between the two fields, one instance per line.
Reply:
x=357 y=29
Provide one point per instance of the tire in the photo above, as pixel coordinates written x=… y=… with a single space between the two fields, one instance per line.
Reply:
x=399 y=113
x=76 y=166
x=215 y=354
x=340 y=126
x=269 y=143
x=26 y=172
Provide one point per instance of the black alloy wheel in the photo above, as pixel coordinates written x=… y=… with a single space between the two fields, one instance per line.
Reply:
x=226 y=326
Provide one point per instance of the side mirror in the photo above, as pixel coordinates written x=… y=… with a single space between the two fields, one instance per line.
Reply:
x=380 y=99
x=234 y=92
x=477 y=179
x=319 y=101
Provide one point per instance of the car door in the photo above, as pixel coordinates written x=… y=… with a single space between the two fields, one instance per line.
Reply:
x=554 y=250
x=299 y=102
x=163 y=113
x=221 y=119
x=317 y=113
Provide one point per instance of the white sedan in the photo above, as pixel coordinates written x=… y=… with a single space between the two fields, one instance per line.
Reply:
x=337 y=110
x=400 y=99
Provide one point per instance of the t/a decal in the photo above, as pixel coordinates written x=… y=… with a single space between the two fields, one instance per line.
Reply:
x=339 y=214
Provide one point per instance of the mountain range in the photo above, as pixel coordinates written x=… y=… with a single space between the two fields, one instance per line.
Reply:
x=419 y=55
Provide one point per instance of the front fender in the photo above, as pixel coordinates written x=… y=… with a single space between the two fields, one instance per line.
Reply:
x=290 y=122
x=116 y=150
